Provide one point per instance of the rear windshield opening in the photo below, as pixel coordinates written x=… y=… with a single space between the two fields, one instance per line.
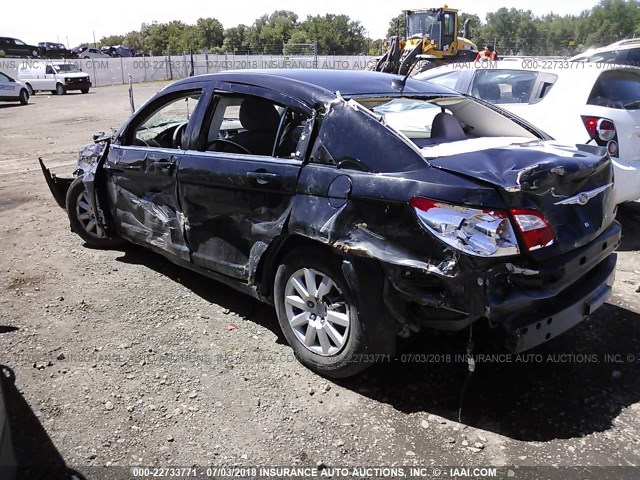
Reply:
x=617 y=89
x=445 y=126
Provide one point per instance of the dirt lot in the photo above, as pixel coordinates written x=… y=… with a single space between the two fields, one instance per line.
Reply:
x=121 y=358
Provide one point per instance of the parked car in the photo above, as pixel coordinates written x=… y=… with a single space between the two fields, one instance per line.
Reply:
x=53 y=50
x=362 y=205
x=13 y=91
x=12 y=47
x=58 y=78
x=624 y=52
x=86 y=52
x=581 y=104
x=117 y=51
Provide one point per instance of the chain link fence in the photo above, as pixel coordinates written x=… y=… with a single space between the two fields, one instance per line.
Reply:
x=114 y=71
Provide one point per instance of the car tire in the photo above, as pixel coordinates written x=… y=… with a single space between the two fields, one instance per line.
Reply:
x=82 y=217
x=60 y=89
x=30 y=90
x=336 y=353
x=24 y=96
x=85 y=90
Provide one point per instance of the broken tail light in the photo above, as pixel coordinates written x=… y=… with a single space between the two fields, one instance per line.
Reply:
x=482 y=233
x=534 y=228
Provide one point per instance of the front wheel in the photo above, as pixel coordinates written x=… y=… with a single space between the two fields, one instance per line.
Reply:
x=318 y=315
x=83 y=218
x=60 y=89
x=24 y=97
x=30 y=90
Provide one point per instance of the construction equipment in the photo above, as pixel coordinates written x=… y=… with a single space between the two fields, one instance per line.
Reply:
x=431 y=39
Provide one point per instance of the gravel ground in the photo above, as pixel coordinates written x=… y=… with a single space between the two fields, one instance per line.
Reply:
x=121 y=358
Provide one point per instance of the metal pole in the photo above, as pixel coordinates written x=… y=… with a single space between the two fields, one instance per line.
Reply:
x=122 y=69
x=133 y=106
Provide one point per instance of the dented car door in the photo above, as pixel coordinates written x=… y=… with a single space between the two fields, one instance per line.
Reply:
x=238 y=200
x=142 y=171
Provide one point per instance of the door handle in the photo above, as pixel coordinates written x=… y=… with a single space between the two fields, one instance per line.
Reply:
x=264 y=178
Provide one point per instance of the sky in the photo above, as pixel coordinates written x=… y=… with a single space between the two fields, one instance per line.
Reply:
x=74 y=25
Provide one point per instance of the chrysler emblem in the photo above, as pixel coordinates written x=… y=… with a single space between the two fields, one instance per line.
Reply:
x=583 y=197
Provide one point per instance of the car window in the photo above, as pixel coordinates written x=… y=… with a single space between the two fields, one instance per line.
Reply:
x=616 y=89
x=4 y=78
x=603 y=57
x=504 y=86
x=249 y=125
x=447 y=80
x=49 y=70
x=633 y=57
x=163 y=127
x=18 y=42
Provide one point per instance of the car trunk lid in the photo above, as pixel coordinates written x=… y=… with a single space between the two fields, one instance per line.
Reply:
x=571 y=187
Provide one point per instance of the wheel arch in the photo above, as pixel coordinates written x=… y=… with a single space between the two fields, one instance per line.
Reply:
x=267 y=267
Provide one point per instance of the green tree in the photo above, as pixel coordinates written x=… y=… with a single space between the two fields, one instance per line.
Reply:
x=234 y=38
x=397 y=24
x=335 y=34
x=210 y=33
x=111 y=40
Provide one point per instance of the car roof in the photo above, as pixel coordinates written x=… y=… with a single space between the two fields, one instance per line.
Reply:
x=319 y=85
x=626 y=44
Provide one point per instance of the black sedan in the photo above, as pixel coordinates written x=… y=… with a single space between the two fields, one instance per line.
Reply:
x=364 y=206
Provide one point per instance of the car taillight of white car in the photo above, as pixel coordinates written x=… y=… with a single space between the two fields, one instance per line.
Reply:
x=480 y=232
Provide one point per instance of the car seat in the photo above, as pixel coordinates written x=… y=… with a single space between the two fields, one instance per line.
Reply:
x=446 y=128
x=260 y=119
x=489 y=92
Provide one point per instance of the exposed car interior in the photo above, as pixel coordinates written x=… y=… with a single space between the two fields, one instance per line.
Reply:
x=254 y=126
x=429 y=123
x=164 y=127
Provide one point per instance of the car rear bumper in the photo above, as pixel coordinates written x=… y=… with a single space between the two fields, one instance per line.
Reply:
x=575 y=305
x=516 y=300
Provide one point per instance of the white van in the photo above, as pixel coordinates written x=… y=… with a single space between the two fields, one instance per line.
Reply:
x=58 y=78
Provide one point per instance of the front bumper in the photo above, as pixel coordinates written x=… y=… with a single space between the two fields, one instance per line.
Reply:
x=77 y=85
x=57 y=185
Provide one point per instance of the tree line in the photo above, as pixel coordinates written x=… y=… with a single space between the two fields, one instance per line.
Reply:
x=514 y=31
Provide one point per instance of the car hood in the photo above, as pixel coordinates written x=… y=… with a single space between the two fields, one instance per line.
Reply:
x=571 y=186
x=74 y=74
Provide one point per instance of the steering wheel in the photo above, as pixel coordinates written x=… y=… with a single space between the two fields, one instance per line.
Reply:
x=229 y=142
x=177 y=135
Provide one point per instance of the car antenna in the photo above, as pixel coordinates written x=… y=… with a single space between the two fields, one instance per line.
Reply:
x=400 y=84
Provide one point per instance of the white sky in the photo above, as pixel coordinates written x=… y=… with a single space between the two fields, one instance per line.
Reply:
x=40 y=21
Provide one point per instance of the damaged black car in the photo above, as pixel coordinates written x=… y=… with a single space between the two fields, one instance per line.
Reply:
x=363 y=206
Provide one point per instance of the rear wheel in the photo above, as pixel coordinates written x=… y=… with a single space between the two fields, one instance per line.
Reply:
x=318 y=315
x=85 y=90
x=83 y=218
x=60 y=89
x=24 y=96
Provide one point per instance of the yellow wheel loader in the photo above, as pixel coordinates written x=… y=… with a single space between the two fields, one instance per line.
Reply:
x=431 y=39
